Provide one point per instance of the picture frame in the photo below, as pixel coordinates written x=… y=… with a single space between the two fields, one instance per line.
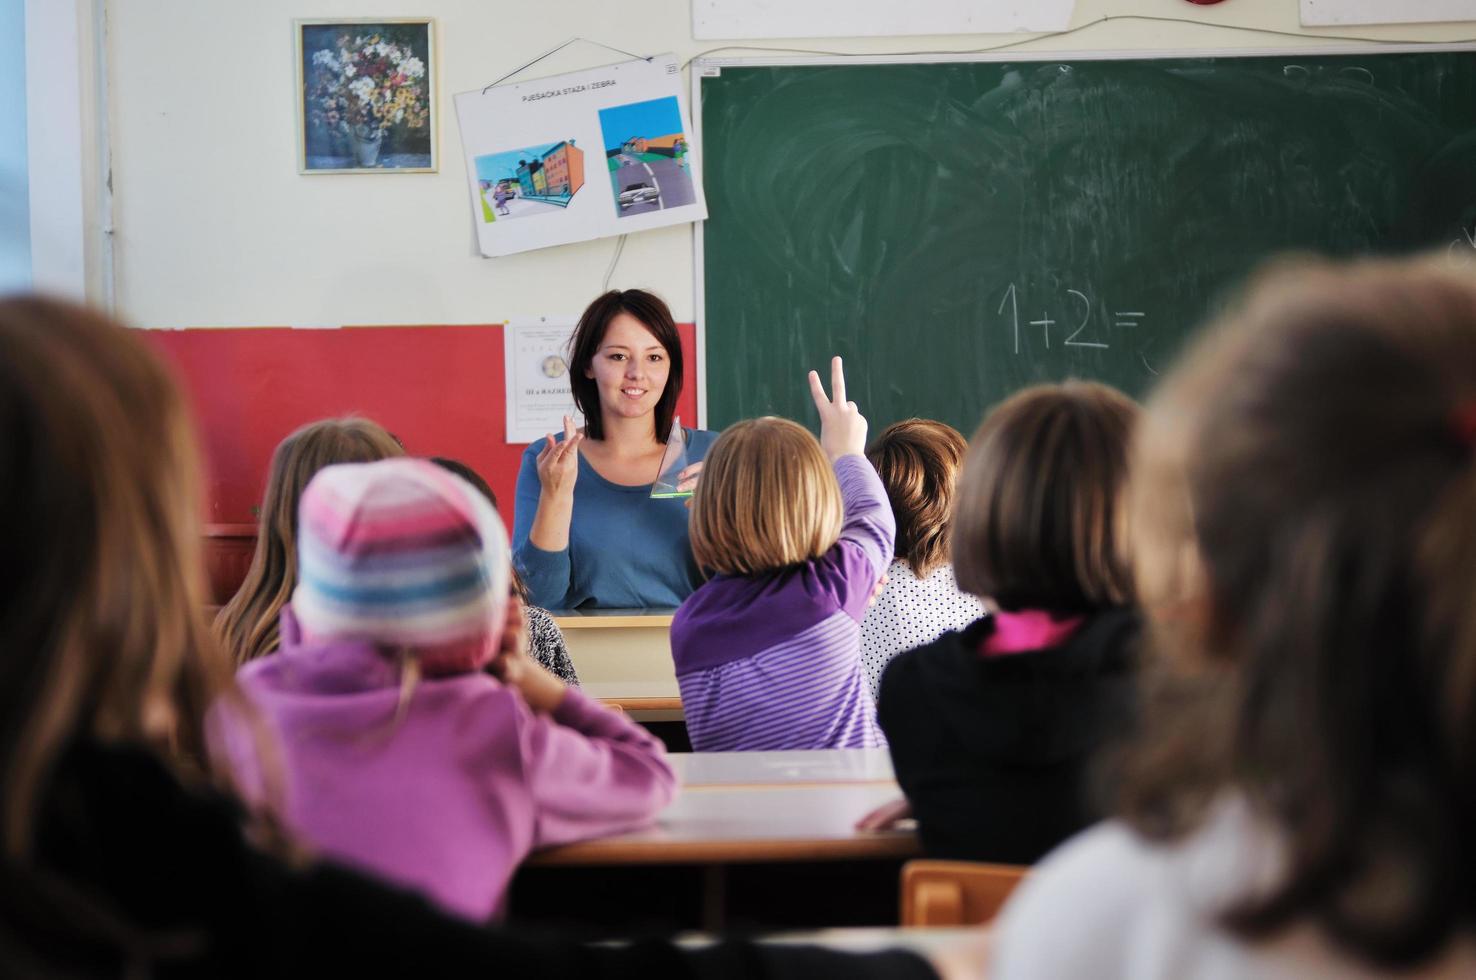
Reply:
x=367 y=95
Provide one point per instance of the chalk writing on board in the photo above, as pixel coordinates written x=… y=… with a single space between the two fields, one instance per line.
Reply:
x=1014 y=305
x=1086 y=316
x=1462 y=251
x=1082 y=335
x=1302 y=73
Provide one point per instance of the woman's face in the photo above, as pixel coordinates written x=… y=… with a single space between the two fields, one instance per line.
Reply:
x=629 y=368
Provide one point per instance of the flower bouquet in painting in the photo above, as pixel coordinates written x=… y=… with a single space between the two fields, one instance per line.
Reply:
x=366 y=96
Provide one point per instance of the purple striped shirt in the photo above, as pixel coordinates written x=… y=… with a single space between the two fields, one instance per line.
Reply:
x=773 y=661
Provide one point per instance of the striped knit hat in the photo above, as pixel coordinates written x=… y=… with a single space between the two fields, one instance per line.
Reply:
x=402 y=553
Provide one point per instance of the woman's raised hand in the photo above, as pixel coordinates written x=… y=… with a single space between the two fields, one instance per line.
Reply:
x=842 y=426
x=558 y=462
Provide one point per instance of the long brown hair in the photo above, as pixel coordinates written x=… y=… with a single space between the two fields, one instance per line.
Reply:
x=1304 y=509
x=247 y=625
x=918 y=462
x=102 y=592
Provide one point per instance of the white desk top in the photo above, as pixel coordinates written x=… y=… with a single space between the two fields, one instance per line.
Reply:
x=733 y=824
x=788 y=768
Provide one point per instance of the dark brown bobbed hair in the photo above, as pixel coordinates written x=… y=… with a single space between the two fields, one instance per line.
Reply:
x=918 y=462
x=1037 y=520
x=1304 y=505
x=247 y=625
x=655 y=315
x=102 y=589
x=482 y=487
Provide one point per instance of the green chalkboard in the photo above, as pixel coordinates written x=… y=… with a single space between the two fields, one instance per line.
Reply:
x=960 y=230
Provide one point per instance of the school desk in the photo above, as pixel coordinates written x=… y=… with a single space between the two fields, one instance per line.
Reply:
x=798 y=767
x=623 y=656
x=790 y=841
x=714 y=825
x=923 y=941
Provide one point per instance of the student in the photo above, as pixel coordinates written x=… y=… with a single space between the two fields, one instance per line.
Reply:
x=545 y=639
x=994 y=729
x=119 y=856
x=1304 y=505
x=402 y=755
x=918 y=462
x=247 y=625
x=768 y=652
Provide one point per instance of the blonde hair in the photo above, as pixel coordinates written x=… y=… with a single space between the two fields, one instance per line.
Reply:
x=767 y=498
x=247 y=625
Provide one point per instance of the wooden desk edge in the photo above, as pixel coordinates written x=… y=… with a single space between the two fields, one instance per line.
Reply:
x=599 y=853
x=662 y=621
x=645 y=704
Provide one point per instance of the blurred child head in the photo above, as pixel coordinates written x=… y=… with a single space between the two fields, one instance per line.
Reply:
x=102 y=593
x=481 y=486
x=768 y=498
x=1304 y=505
x=405 y=555
x=918 y=462
x=1037 y=520
x=247 y=625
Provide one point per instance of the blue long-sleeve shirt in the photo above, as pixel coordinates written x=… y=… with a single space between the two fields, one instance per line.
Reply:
x=625 y=549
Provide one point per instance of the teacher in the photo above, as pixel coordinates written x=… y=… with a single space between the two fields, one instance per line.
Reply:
x=586 y=531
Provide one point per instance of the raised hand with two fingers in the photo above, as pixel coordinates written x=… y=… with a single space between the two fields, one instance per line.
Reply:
x=842 y=426
x=558 y=462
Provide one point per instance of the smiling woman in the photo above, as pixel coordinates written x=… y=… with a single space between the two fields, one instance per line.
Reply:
x=586 y=531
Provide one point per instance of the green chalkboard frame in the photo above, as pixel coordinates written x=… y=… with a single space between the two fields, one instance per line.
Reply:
x=773 y=382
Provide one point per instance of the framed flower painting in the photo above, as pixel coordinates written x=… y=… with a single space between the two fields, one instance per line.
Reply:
x=366 y=96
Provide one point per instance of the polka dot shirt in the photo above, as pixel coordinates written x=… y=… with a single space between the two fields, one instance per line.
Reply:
x=910 y=612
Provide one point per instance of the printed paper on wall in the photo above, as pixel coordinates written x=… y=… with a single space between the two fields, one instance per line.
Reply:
x=1331 y=13
x=750 y=20
x=537 y=377
x=579 y=156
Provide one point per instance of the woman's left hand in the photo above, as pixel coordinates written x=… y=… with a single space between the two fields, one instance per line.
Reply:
x=687 y=478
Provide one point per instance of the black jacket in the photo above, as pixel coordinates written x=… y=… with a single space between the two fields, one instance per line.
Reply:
x=995 y=753
x=137 y=876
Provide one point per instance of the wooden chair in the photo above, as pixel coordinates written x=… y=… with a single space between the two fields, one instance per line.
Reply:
x=956 y=893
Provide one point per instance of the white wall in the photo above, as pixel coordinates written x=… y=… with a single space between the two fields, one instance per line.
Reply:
x=215 y=227
x=62 y=147
x=15 y=212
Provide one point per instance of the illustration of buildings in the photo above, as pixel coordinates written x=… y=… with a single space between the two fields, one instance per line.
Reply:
x=526 y=170
x=636 y=144
x=563 y=169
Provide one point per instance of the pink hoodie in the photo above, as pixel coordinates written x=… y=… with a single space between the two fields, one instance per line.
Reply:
x=451 y=799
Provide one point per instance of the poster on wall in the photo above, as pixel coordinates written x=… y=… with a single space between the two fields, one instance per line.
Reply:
x=1330 y=13
x=537 y=377
x=747 y=20
x=579 y=156
x=366 y=96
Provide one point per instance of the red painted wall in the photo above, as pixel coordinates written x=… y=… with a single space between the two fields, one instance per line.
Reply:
x=439 y=388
